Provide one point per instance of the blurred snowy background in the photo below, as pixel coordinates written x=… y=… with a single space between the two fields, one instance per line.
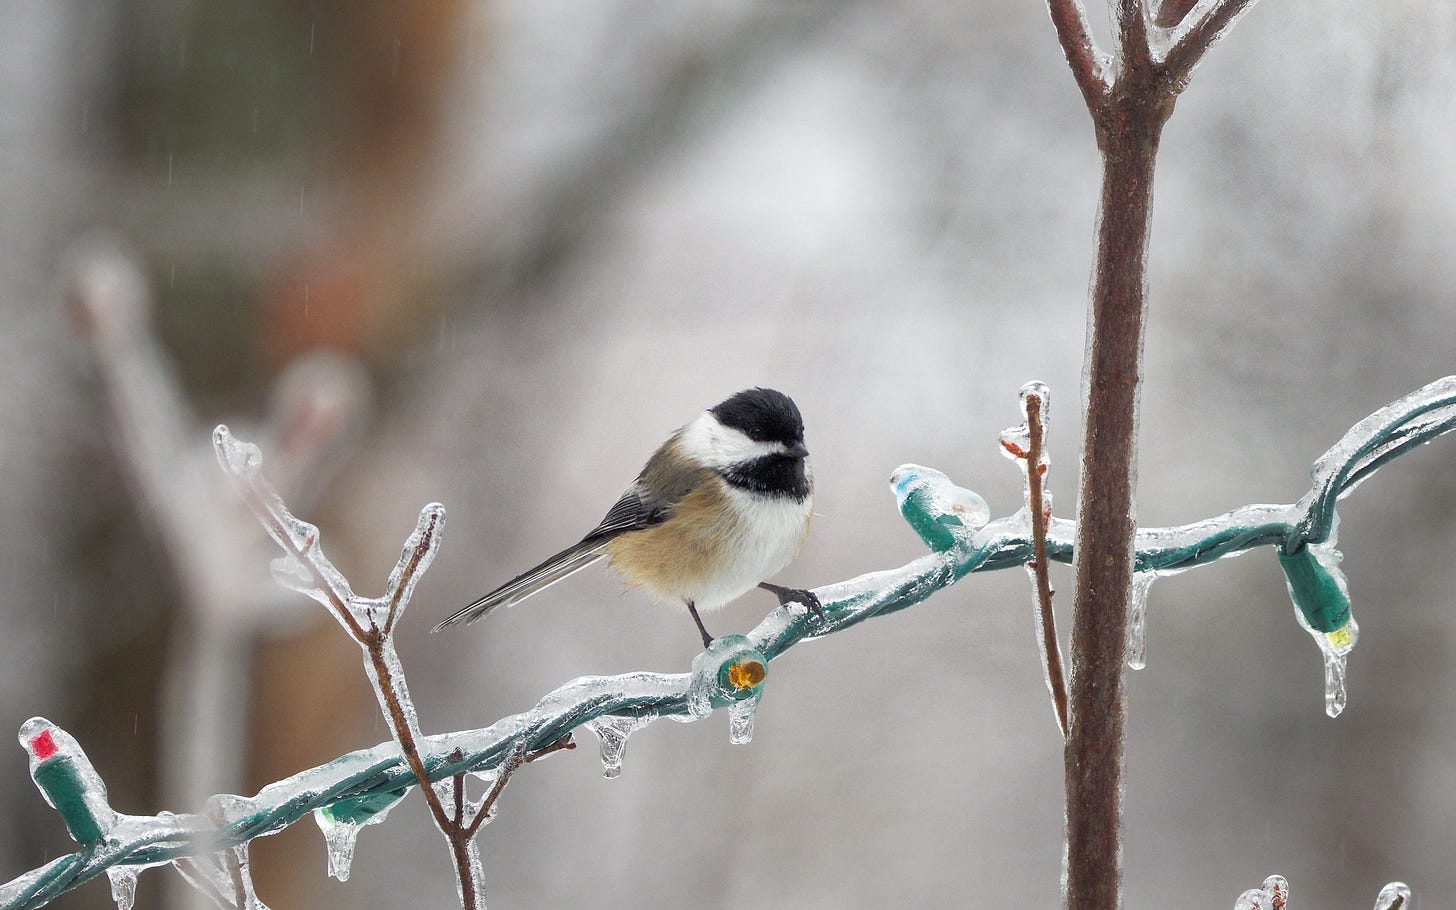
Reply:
x=543 y=234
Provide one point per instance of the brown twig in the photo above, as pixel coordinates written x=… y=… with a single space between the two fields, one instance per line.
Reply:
x=1035 y=484
x=376 y=643
x=1132 y=34
x=406 y=577
x=1088 y=63
x=1204 y=33
x=1171 y=12
x=564 y=744
x=512 y=763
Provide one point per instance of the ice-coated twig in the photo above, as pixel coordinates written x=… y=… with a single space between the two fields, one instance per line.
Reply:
x=1132 y=34
x=1274 y=895
x=1090 y=65
x=1171 y=12
x=1026 y=444
x=1200 y=29
x=950 y=520
x=370 y=622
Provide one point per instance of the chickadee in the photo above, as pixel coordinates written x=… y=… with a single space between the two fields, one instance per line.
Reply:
x=722 y=505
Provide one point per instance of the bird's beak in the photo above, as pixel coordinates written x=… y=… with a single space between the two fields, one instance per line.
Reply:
x=797 y=450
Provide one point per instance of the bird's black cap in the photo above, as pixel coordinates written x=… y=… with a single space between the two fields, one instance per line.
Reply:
x=763 y=415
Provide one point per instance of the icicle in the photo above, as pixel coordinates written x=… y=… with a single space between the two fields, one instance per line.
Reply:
x=1335 y=648
x=342 y=822
x=123 y=885
x=613 y=731
x=1394 y=896
x=1335 y=657
x=339 y=840
x=1137 y=619
x=740 y=719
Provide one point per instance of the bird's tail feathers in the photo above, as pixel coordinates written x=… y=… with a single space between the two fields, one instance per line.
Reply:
x=529 y=582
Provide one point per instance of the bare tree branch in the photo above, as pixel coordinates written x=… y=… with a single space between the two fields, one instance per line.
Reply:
x=1202 y=35
x=1035 y=481
x=1134 y=54
x=1089 y=64
x=1172 y=12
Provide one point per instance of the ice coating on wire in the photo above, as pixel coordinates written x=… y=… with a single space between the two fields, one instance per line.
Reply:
x=1414 y=419
x=971 y=546
x=612 y=732
x=341 y=828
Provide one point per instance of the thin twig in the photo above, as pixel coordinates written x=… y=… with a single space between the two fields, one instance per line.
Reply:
x=411 y=566
x=191 y=871
x=1172 y=12
x=260 y=501
x=1132 y=35
x=1204 y=33
x=459 y=784
x=503 y=777
x=403 y=732
x=564 y=744
x=235 y=873
x=373 y=640
x=1035 y=480
x=1088 y=63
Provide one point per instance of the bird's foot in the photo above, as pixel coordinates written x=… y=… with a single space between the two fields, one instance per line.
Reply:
x=795 y=595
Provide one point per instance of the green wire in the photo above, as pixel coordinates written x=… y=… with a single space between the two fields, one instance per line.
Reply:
x=374 y=774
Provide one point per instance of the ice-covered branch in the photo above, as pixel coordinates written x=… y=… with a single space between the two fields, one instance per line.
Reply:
x=1025 y=444
x=1089 y=64
x=358 y=788
x=305 y=568
x=1200 y=29
x=1132 y=33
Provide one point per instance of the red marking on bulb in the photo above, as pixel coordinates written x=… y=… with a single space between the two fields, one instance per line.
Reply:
x=43 y=746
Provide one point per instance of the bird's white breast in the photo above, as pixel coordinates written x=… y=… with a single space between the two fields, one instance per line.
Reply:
x=768 y=532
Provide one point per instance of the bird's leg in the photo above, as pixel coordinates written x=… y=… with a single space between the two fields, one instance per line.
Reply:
x=785 y=595
x=707 y=639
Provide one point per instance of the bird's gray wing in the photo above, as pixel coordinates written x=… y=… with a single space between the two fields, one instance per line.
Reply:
x=636 y=510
